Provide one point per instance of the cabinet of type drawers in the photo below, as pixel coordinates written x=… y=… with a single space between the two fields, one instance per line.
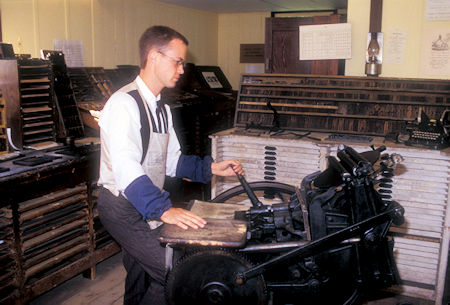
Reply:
x=27 y=87
x=365 y=105
x=49 y=229
x=420 y=185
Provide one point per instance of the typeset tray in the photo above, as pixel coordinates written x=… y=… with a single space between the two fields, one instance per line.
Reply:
x=363 y=105
x=90 y=83
x=70 y=119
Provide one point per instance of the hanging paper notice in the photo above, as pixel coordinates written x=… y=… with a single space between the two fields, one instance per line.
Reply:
x=325 y=41
x=73 y=51
x=438 y=10
x=436 y=52
x=395 y=46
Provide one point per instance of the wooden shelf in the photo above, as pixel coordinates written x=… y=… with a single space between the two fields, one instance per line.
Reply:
x=339 y=103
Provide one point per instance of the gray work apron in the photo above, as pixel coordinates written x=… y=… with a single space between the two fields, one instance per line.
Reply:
x=154 y=163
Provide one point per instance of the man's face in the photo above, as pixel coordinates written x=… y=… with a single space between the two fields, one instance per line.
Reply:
x=170 y=63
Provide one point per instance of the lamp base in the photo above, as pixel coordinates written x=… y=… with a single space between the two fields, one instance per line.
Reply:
x=373 y=69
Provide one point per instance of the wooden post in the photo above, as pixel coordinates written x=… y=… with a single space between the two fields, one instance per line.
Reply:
x=376 y=13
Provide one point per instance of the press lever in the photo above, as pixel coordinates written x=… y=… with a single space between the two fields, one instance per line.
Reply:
x=251 y=195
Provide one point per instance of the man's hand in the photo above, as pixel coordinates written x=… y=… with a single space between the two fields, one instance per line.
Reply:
x=183 y=218
x=223 y=168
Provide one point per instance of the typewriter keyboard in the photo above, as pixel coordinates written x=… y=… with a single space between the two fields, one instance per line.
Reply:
x=427 y=139
x=425 y=135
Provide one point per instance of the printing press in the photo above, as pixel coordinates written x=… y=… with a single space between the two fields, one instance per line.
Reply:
x=325 y=242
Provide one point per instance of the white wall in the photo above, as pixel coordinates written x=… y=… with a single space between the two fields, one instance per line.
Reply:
x=109 y=29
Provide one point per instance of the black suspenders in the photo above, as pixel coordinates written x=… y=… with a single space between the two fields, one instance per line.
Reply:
x=145 y=124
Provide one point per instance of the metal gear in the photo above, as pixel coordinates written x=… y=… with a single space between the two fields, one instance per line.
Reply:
x=209 y=278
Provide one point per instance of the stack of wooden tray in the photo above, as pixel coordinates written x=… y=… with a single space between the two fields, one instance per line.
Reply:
x=265 y=158
x=420 y=185
x=36 y=101
x=8 y=265
x=54 y=232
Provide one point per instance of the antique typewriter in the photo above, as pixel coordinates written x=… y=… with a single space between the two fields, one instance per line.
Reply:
x=429 y=133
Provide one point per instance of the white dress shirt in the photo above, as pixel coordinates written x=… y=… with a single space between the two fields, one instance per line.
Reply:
x=120 y=119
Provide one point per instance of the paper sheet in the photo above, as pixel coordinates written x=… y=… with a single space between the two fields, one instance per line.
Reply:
x=325 y=41
x=436 y=52
x=438 y=10
x=395 y=47
x=73 y=51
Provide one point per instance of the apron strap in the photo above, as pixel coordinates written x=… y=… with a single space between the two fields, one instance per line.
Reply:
x=164 y=116
x=145 y=125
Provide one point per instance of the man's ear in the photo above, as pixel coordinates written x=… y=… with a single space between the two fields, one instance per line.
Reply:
x=152 y=54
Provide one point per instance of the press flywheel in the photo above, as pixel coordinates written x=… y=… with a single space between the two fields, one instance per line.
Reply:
x=209 y=278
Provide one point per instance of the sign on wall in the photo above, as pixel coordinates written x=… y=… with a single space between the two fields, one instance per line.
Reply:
x=252 y=53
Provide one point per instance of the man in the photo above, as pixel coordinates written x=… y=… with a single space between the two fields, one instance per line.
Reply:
x=139 y=148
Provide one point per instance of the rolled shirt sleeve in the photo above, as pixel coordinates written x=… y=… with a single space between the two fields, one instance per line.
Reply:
x=148 y=199
x=195 y=168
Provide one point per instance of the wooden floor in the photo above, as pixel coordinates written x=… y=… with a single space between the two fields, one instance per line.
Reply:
x=108 y=286
x=106 y=289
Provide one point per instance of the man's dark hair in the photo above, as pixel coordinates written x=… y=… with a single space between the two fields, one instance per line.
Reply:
x=157 y=37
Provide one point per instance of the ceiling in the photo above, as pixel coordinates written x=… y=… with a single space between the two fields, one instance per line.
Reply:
x=245 y=6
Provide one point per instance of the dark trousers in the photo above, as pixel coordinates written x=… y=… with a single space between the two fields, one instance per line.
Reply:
x=143 y=256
